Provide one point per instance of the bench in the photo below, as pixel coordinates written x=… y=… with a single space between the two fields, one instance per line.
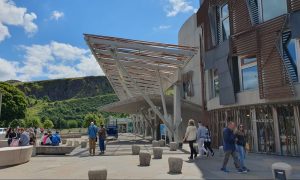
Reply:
x=54 y=150
x=15 y=155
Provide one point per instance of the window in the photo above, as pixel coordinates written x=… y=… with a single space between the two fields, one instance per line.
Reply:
x=272 y=9
x=264 y=10
x=216 y=84
x=248 y=73
x=224 y=21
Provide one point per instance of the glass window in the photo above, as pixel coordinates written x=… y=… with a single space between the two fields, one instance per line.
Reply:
x=216 y=87
x=272 y=9
x=225 y=22
x=248 y=60
x=292 y=49
x=250 y=80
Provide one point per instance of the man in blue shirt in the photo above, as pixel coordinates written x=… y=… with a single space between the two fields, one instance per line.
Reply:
x=56 y=139
x=92 y=132
x=229 y=140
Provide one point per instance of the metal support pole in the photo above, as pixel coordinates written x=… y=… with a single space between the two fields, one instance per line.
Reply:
x=177 y=111
x=147 y=99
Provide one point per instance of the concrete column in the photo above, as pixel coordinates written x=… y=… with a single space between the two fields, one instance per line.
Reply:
x=297 y=126
x=276 y=130
x=254 y=126
x=177 y=111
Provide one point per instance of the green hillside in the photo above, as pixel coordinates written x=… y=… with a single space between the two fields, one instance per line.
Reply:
x=60 y=112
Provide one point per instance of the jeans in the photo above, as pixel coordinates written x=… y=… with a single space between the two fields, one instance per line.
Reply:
x=193 y=151
x=102 y=144
x=235 y=159
x=201 y=146
x=242 y=155
x=92 y=144
x=207 y=147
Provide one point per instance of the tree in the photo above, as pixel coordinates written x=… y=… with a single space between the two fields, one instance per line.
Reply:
x=72 y=124
x=13 y=103
x=96 y=118
x=48 y=124
x=17 y=123
x=33 y=122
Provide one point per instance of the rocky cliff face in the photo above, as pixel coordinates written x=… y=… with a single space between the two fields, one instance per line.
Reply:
x=62 y=89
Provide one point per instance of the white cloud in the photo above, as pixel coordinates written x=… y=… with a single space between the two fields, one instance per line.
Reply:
x=179 y=6
x=53 y=60
x=56 y=15
x=162 y=27
x=11 y=15
x=8 y=70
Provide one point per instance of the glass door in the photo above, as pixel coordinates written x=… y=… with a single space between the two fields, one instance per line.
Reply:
x=287 y=130
x=265 y=129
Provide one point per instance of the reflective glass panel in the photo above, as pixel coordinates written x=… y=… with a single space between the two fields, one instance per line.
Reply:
x=250 y=79
x=225 y=12
x=273 y=8
x=225 y=28
x=292 y=49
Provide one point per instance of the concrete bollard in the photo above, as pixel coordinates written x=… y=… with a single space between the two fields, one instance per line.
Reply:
x=175 y=165
x=64 y=141
x=145 y=158
x=155 y=144
x=281 y=170
x=161 y=143
x=97 y=174
x=173 y=146
x=83 y=144
x=69 y=143
x=221 y=151
x=76 y=143
x=157 y=153
x=135 y=149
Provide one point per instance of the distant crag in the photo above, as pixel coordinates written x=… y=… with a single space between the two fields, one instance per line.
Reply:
x=62 y=89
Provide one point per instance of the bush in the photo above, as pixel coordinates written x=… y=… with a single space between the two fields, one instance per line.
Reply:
x=33 y=122
x=48 y=124
x=72 y=124
x=17 y=122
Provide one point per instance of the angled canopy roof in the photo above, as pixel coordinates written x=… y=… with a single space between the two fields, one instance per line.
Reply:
x=143 y=61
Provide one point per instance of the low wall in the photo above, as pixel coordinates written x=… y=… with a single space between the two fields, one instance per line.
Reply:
x=54 y=150
x=3 y=143
x=66 y=136
x=15 y=155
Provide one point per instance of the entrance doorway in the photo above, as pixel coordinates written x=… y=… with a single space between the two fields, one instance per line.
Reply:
x=287 y=130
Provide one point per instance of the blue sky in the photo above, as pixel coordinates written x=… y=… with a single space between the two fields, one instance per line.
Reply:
x=43 y=39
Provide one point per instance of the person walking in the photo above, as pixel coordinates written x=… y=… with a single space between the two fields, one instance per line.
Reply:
x=207 y=143
x=190 y=137
x=240 y=145
x=201 y=135
x=92 y=132
x=102 y=137
x=229 y=147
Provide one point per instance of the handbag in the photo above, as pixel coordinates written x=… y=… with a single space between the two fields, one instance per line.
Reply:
x=14 y=143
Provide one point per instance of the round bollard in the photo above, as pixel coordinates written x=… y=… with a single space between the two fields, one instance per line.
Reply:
x=161 y=143
x=155 y=144
x=173 y=146
x=97 y=174
x=70 y=143
x=281 y=170
x=145 y=158
x=157 y=153
x=135 y=149
x=76 y=143
x=83 y=144
x=175 y=165
x=64 y=141
x=221 y=151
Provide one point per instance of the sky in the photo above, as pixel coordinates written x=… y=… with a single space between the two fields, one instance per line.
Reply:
x=43 y=39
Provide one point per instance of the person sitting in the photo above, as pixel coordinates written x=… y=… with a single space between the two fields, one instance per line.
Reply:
x=46 y=139
x=24 y=138
x=56 y=139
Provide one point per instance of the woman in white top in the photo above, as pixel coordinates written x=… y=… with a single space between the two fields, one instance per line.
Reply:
x=190 y=137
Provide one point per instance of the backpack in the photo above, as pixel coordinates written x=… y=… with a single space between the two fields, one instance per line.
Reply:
x=55 y=140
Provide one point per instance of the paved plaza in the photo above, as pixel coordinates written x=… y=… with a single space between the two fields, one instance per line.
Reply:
x=122 y=165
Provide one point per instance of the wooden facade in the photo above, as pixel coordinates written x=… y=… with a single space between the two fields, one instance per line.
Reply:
x=261 y=40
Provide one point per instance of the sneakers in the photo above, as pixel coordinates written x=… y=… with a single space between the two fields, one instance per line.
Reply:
x=190 y=158
x=224 y=170
x=242 y=171
x=212 y=154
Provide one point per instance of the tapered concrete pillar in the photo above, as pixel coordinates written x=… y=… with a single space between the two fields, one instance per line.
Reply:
x=177 y=110
x=254 y=130
x=276 y=130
